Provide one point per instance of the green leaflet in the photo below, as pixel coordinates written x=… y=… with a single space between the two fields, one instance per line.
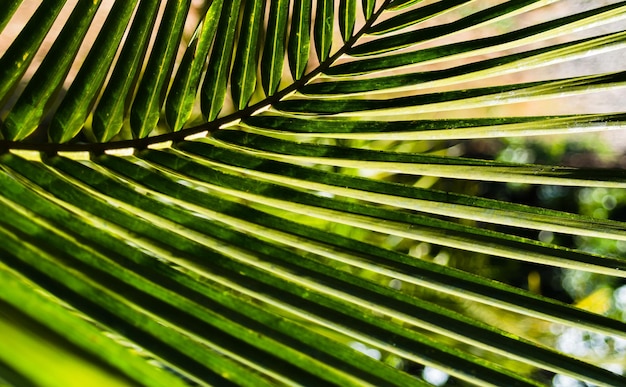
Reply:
x=437 y=129
x=88 y=285
x=396 y=5
x=323 y=29
x=441 y=101
x=347 y=18
x=406 y=39
x=429 y=230
x=219 y=321
x=146 y=108
x=125 y=169
x=126 y=200
x=274 y=48
x=368 y=8
x=474 y=20
x=299 y=38
x=213 y=88
x=468 y=284
x=182 y=95
x=208 y=173
x=9 y=10
x=244 y=67
x=24 y=345
x=155 y=181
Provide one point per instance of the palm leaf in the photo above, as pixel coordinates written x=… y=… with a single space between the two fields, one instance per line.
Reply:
x=202 y=216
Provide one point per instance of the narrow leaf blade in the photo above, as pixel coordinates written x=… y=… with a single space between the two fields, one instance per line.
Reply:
x=323 y=29
x=299 y=38
x=146 y=109
x=244 y=74
x=213 y=89
x=274 y=47
x=182 y=95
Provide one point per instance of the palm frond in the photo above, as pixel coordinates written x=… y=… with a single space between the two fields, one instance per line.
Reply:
x=203 y=215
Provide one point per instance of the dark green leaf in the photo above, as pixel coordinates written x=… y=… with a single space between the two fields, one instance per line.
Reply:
x=245 y=64
x=347 y=18
x=9 y=10
x=213 y=88
x=396 y=5
x=368 y=8
x=182 y=95
x=323 y=29
x=146 y=108
x=299 y=38
x=274 y=47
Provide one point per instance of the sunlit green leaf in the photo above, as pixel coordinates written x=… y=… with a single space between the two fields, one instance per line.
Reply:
x=146 y=109
x=299 y=38
x=213 y=89
x=323 y=28
x=274 y=48
x=347 y=18
x=244 y=66
x=182 y=95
